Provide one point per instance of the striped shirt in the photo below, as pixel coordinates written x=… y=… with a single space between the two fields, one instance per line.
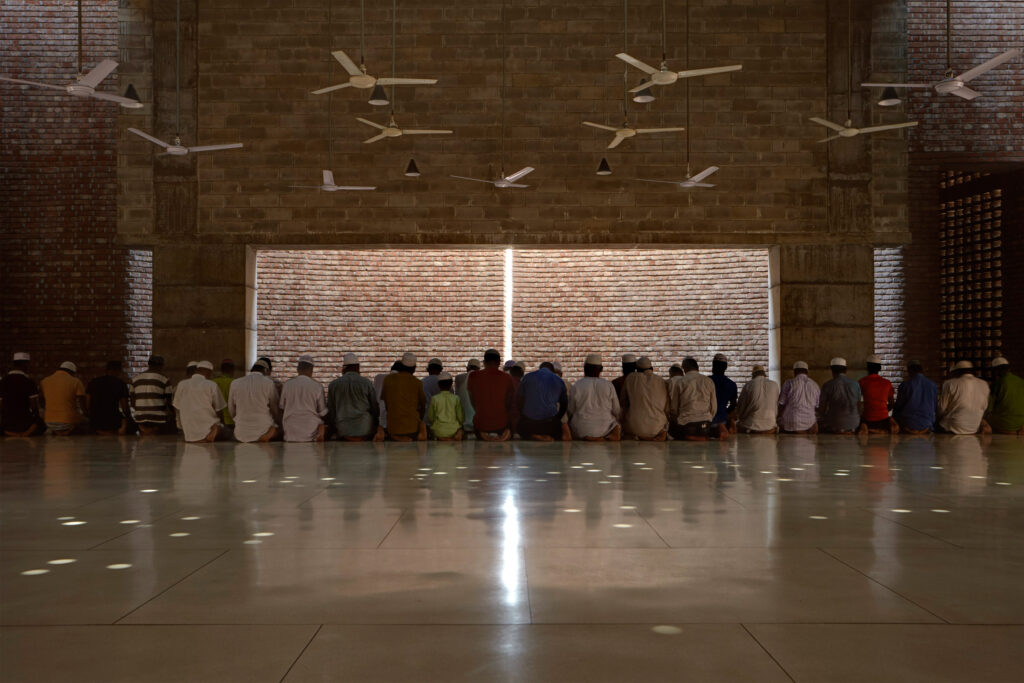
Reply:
x=149 y=394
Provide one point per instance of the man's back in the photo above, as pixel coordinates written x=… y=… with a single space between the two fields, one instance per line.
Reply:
x=16 y=392
x=105 y=395
x=404 y=397
x=799 y=400
x=693 y=398
x=541 y=393
x=726 y=395
x=150 y=392
x=492 y=392
x=962 y=404
x=757 y=407
x=250 y=401
x=838 y=405
x=916 y=402
x=645 y=403
x=594 y=407
x=60 y=391
x=1007 y=414
x=353 y=405
x=877 y=392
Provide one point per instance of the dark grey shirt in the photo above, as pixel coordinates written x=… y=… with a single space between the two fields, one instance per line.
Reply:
x=352 y=405
x=838 y=409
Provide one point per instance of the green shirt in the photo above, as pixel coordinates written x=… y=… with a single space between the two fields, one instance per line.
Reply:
x=1006 y=404
x=224 y=383
x=445 y=414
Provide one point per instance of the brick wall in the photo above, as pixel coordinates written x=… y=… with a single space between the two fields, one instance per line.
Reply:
x=665 y=304
x=890 y=311
x=64 y=281
x=378 y=303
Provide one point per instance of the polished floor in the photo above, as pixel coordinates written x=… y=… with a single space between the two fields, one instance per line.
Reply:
x=761 y=559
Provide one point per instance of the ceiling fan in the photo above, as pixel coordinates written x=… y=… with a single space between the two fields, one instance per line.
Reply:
x=504 y=180
x=664 y=75
x=848 y=131
x=952 y=84
x=86 y=83
x=179 y=150
x=627 y=131
x=692 y=181
x=359 y=78
x=330 y=186
x=393 y=131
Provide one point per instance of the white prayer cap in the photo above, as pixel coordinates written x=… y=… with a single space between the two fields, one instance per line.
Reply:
x=838 y=361
x=873 y=359
x=473 y=363
x=963 y=365
x=800 y=365
x=191 y=364
x=69 y=366
x=409 y=359
x=996 y=362
x=595 y=359
x=721 y=358
x=350 y=359
x=204 y=365
x=556 y=365
x=435 y=361
x=21 y=355
x=643 y=363
x=758 y=368
x=444 y=377
x=306 y=358
x=628 y=358
x=521 y=365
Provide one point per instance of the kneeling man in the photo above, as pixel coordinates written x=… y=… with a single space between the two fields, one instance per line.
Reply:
x=594 y=406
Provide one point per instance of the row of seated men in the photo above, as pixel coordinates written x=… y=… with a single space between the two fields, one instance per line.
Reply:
x=495 y=402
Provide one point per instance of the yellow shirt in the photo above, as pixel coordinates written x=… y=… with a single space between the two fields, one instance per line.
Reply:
x=60 y=392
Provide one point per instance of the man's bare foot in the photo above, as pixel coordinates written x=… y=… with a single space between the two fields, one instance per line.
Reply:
x=566 y=433
x=421 y=435
x=984 y=428
x=269 y=435
x=402 y=439
x=321 y=433
x=546 y=438
x=813 y=429
x=506 y=435
x=458 y=436
x=594 y=439
x=723 y=432
x=212 y=436
x=380 y=435
x=862 y=430
x=615 y=434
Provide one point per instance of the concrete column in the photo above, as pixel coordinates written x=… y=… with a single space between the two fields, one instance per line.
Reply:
x=199 y=303
x=826 y=302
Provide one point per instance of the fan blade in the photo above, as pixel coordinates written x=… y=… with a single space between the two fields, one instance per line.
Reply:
x=354 y=187
x=895 y=85
x=616 y=141
x=690 y=73
x=123 y=101
x=658 y=130
x=514 y=185
x=703 y=174
x=830 y=139
x=99 y=72
x=375 y=138
x=425 y=131
x=642 y=86
x=667 y=182
x=990 y=64
x=371 y=123
x=214 y=148
x=328 y=177
x=600 y=125
x=893 y=126
x=701 y=185
x=38 y=85
x=828 y=124
x=633 y=61
x=148 y=137
x=331 y=88
x=526 y=170
x=306 y=187
x=406 y=81
x=966 y=93
x=347 y=63
x=478 y=180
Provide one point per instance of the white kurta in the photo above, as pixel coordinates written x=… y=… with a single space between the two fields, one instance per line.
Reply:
x=199 y=402
x=758 y=405
x=962 y=404
x=692 y=398
x=303 y=406
x=252 y=401
x=593 y=407
x=645 y=403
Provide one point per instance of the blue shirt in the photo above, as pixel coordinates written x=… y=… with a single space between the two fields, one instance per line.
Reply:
x=915 y=403
x=542 y=395
x=726 y=393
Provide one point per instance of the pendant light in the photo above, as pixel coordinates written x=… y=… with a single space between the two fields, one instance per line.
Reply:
x=603 y=168
x=890 y=98
x=378 y=97
x=412 y=170
x=643 y=96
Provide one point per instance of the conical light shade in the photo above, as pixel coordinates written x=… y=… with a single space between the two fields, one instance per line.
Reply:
x=378 y=98
x=643 y=96
x=131 y=94
x=412 y=170
x=890 y=98
x=603 y=168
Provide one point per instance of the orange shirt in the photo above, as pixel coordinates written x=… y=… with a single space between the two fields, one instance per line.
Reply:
x=60 y=392
x=877 y=392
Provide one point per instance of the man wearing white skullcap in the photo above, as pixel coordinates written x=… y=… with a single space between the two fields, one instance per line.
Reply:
x=879 y=398
x=798 y=402
x=19 y=400
x=199 y=403
x=406 y=402
x=462 y=391
x=758 y=405
x=63 y=400
x=594 y=409
x=253 y=404
x=963 y=401
x=1006 y=405
x=628 y=368
x=302 y=405
x=645 y=403
x=840 y=402
x=353 y=404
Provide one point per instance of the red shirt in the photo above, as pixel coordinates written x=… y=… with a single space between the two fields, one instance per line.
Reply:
x=877 y=392
x=493 y=393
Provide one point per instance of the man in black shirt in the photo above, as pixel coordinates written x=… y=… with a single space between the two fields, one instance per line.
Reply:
x=107 y=401
x=19 y=406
